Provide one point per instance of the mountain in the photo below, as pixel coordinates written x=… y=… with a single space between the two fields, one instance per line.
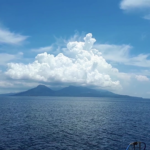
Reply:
x=40 y=90
x=83 y=92
x=72 y=91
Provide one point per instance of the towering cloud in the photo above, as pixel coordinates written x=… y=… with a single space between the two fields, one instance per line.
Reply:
x=80 y=64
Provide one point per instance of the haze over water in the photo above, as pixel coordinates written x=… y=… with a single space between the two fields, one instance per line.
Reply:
x=69 y=123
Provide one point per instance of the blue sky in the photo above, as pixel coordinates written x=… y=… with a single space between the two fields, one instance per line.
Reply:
x=94 y=43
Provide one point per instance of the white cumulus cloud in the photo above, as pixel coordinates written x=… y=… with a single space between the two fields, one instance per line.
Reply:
x=80 y=64
x=7 y=37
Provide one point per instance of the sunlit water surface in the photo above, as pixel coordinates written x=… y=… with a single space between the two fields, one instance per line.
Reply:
x=55 y=123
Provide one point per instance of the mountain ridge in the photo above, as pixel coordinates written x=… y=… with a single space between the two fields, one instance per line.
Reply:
x=70 y=91
x=40 y=90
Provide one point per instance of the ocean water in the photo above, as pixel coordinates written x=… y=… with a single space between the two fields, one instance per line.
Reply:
x=68 y=123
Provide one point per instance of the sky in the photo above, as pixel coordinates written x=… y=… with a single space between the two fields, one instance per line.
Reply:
x=100 y=44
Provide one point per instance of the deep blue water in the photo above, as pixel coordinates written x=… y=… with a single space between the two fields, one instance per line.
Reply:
x=53 y=123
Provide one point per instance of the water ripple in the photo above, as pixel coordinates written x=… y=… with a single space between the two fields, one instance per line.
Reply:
x=72 y=123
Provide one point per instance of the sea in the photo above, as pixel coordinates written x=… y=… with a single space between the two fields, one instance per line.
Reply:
x=73 y=123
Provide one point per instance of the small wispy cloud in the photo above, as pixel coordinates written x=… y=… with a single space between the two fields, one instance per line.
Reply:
x=147 y=17
x=134 y=4
x=12 y=38
x=115 y=53
x=121 y=54
x=5 y=58
x=141 y=78
x=137 y=5
x=42 y=49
